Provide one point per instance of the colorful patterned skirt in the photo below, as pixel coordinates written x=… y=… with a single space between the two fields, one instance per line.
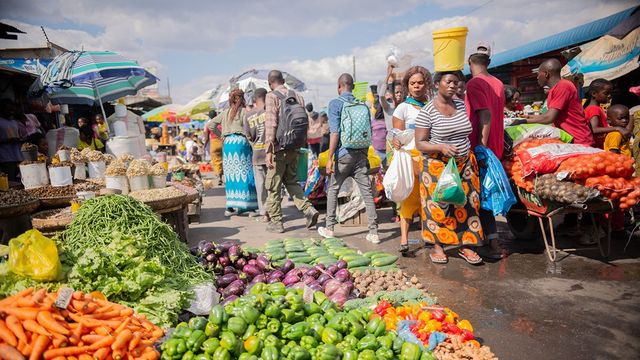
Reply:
x=240 y=185
x=447 y=224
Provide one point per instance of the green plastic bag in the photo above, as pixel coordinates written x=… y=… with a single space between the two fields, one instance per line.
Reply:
x=34 y=255
x=449 y=186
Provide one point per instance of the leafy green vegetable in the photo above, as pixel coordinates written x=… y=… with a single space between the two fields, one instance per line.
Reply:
x=409 y=296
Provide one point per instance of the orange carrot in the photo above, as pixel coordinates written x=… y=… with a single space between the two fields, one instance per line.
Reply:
x=16 y=327
x=39 y=346
x=106 y=342
x=25 y=302
x=10 y=353
x=59 y=358
x=157 y=333
x=67 y=351
x=130 y=357
x=121 y=340
x=33 y=326
x=123 y=325
x=58 y=342
x=77 y=333
x=135 y=340
x=78 y=295
x=103 y=308
x=46 y=319
x=72 y=358
x=102 y=330
x=21 y=313
x=150 y=355
x=102 y=353
x=6 y=335
x=85 y=357
x=111 y=323
x=105 y=315
x=118 y=354
x=39 y=295
x=90 y=339
x=85 y=321
x=126 y=312
x=24 y=293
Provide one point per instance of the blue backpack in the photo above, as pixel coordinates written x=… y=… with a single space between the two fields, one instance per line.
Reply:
x=355 y=125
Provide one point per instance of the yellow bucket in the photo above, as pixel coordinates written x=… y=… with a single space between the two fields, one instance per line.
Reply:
x=448 y=48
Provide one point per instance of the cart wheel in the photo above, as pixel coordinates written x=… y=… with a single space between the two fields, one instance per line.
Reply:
x=522 y=225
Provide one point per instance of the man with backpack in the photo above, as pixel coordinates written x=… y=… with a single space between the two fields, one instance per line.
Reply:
x=350 y=127
x=286 y=128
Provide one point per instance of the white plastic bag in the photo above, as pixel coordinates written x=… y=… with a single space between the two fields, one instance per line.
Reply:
x=206 y=298
x=398 y=180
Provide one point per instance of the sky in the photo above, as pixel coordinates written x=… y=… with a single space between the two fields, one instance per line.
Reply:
x=195 y=45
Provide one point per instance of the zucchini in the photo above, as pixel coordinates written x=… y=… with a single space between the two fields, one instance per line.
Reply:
x=326 y=260
x=370 y=254
x=360 y=261
x=276 y=256
x=302 y=259
x=350 y=257
x=293 y=254
x=382 y=254
x=383 y=261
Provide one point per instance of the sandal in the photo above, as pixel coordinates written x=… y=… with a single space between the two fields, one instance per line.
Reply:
x=473 y=259
x=404 y=249
x=438 y=258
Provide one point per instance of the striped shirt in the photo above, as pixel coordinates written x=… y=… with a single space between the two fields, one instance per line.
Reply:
x=446 y=130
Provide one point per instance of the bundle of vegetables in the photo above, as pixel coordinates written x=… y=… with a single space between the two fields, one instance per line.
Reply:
x=513 y=167
x=622 y=192
x=549 y=187
x=599 y=164
x=397 y=297
x=429 y=323
x=369 y=283
x=327 y=252
x=88 y=328
x=272 y=322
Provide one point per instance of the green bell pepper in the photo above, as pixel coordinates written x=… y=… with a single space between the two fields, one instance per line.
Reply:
x=249 y=314
x=357 y=330
x=285 y=350
x=316 y=318
x=343 y=346
x=170 y=347
x=376 y=326
x=262 y=334
x=292 y=316
x=273 y=310
x=211 y=330
x=270 y=353
x=182 y=331
x=308 y=342
x=329 y=314
x=367 y=355
x=295 y=301
x=319 y=297
x=352 y=341
x=216 y=315
x=368 y=342
x=331 y=336
x=384 y=354
x=410 y=351
x=251 y=330
x=277 y=288
x=228 y=340
x=181 y=346
x=339 y=322
x=428 y=355
x=273 y=341
x=247 y=356
x=209 y=346
x=273 y=326
x=253 y=345
x=195 y=340
x=237 y=325
x=262 y=321
x=198 y=323
x=221 y=354
x=350 y=355
x=316 y=330
x=296 y=331
x=312 y=308
x=328 y=352
x=283 y=330
x=202 y=357
x=298 y=353
x=188 y=355
x=397 y=345
x=385 y=342
x=258 y=288
x=327 y=305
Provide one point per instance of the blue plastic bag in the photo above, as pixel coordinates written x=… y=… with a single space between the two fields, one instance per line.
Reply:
x=496 y=194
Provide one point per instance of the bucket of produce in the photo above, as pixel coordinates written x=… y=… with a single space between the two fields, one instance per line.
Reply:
x=139 y=182
x=34 y=175
x=64 y=155
x=96 y=169
x=117 y=182
x=79 y=170
x=448 y=48
x=60 y=175
x=159 y=181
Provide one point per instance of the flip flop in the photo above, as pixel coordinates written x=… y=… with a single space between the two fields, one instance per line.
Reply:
x=437 y=260
x=473 y=261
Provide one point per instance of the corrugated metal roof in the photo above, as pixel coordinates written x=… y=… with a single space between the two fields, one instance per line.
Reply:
x=577 y=35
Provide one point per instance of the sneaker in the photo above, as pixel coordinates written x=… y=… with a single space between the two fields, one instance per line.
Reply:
x=275 y=228
x=312 y=217
x=230 y=212
x=374 y=238
x=325 y=233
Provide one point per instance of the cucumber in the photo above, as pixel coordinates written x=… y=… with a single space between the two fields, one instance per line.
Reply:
x=370 y=254
x=350 y=257
x=276 y=256
x=361 y=261
x=382 y=254
x=302 y=259
x=294 y=254
x=327 y=260
x=383 y=261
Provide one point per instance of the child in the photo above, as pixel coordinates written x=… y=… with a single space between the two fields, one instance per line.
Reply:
x=616 y=141
x=599 y=93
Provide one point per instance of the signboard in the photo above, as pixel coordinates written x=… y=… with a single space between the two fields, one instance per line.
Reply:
x=33 y=65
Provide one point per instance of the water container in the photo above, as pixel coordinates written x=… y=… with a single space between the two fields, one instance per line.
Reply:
x=448 y=49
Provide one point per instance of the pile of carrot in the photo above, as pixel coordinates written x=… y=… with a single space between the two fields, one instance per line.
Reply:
x=90 y=328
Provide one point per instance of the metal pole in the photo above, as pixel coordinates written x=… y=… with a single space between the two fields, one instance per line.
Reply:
x=354 y=68
x=104 y=115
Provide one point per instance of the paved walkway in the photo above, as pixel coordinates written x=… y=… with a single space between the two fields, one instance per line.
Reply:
x=523 y=307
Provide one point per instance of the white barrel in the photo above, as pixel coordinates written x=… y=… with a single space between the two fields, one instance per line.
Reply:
x=120 y=145
x=121 y=110
x=159 y=181
x=117 y=182
x=60 y=176
x=79 y=171
x=34 y=175
x=96 y=169
x=139 y=183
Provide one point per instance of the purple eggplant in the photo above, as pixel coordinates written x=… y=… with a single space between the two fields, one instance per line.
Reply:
x=230 y=270
x=315 y=286
x=320 y=267
x=251 y=270
x=229 y=299
x=342 y=275
x=341 y=264
x=234 y=252
x=235 y=288
x=259 y=278
x=252 y=262
x=225 y=246
x=332 y=269
x=308 y=279
x=211 y=258
x=324 y=278
x=348 y=285
x=227 y=279
x=263 y=262
x=313 y=272
x=194 y=251
x=272 y=280
x=290 y=279
x=276 y=274
x=224 y=261
x=241 y=262
x=204 y=245
x=287 y=266
x=252 y=256
x=203 y=262
x=331 y=287
x=298 y=285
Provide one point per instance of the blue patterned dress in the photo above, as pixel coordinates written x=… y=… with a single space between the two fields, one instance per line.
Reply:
x=240 y=185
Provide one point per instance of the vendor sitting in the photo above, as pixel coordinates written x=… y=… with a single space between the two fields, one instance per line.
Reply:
x=565 y=110
x=87 y=140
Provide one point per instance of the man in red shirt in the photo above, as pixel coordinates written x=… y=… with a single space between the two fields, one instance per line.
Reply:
x=485 y=102
x=565 y=110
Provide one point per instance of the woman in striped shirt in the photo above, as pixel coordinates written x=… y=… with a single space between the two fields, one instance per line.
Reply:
x=442 y=132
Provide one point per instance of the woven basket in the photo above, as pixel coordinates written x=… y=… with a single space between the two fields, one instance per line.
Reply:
x=43 y=222
x=55 y=202
x=19 y=209
x=167 y=203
